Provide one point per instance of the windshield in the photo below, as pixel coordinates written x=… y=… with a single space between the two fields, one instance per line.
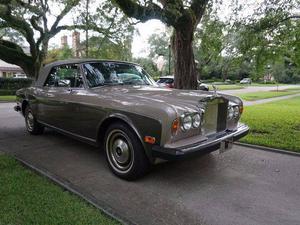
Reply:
x=113 y=73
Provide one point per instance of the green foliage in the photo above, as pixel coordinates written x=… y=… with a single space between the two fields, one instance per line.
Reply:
x=13 y=83
x=275 y=124
x=114 y=40
x=59 y=54
x=27 y=198
x=104 y=48
x=270 y=39
x=149 y=66
x=6 y=92
x=210 y=41
x=159 y=46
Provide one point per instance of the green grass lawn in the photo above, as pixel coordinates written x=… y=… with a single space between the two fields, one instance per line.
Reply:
x=252 y=96
x=8 y=98
x=26 y=198
x=275 y=124
x=223 y=87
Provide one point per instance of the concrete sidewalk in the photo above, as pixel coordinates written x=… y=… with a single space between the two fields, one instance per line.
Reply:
x=242 y=187
x=249 y=89
x=267 y=100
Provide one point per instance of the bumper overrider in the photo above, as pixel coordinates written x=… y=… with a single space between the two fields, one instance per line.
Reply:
x=211 y=144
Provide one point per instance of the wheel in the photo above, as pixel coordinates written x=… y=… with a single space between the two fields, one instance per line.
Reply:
x=124 y=152
x=32 y=126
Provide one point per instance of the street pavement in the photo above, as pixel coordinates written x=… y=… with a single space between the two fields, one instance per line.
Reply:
x=244 y=186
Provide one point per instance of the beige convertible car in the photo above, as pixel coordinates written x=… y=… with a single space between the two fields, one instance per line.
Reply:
x=118 y=106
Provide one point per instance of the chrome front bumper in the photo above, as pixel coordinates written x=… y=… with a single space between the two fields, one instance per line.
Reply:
x=212 y=143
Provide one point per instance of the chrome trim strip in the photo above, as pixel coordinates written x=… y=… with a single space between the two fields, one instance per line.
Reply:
x=69 y=133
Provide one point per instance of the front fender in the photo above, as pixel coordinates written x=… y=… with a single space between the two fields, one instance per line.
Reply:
x=141 y=125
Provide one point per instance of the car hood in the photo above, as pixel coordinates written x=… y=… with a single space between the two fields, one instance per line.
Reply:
x=186 y=100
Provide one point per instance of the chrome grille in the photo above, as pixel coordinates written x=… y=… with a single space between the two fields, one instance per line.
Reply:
x=210 y=119
x=215 y=116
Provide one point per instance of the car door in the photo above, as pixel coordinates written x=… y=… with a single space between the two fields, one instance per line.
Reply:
x=57 y=98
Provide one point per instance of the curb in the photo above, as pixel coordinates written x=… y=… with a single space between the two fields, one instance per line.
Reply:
x=74 y=190
x=268 y=149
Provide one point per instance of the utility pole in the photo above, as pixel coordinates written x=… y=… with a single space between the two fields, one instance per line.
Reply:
x=87 y=29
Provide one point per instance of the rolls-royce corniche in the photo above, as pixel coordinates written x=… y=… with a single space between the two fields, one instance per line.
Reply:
x=118 y=107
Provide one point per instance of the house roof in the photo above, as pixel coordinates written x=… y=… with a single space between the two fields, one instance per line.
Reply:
x=4 y=66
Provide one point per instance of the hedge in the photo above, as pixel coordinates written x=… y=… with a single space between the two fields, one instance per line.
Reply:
x=9 y=86
x=7 y=92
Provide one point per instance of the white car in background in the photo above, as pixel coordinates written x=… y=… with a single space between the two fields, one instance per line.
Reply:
x=168 y=81
x=19 y=75
x=246 y=81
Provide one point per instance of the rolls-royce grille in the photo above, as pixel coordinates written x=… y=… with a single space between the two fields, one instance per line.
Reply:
x=215 y=116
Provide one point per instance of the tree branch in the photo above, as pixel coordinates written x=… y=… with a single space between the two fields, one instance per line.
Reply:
x=145 y=13
x=198 y=7
x=272 y=26
x=20 y=25
x=69 y=5
x=14 y=54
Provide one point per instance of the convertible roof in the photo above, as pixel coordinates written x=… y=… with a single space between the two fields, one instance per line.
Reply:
x=77 y=60
x=45 y=70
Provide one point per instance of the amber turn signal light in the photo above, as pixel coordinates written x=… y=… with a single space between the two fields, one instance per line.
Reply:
x=175 y=126
x=241 y=109
x=149 y=139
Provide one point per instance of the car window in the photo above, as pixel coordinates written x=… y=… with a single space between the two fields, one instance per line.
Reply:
x=65 y=76
x=113 y=73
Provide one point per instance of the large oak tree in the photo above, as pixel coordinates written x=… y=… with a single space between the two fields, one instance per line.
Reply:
x=183 y=16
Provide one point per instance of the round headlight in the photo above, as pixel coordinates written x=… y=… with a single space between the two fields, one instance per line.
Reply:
x=230 y=113
x=186 y=122
x=196 y=120
x=236 y=111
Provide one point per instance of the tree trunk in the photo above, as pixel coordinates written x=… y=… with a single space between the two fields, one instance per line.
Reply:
x=184 y=62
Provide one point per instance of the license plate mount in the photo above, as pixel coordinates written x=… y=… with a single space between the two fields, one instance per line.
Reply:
x=225 y=146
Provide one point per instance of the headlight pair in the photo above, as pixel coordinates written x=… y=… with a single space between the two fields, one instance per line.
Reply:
x=191 y=120
x=233 y=112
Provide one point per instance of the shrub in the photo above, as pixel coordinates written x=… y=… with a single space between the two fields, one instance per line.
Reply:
x=7 y=92
x=9 y=86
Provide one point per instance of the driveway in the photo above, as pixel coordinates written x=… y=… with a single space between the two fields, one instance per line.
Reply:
x=241 y=187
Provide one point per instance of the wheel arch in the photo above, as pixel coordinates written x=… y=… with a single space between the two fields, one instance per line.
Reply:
x=118 y=117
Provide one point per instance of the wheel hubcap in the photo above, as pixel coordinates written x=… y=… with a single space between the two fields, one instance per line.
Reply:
x=119 y=151
x=30 y=121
